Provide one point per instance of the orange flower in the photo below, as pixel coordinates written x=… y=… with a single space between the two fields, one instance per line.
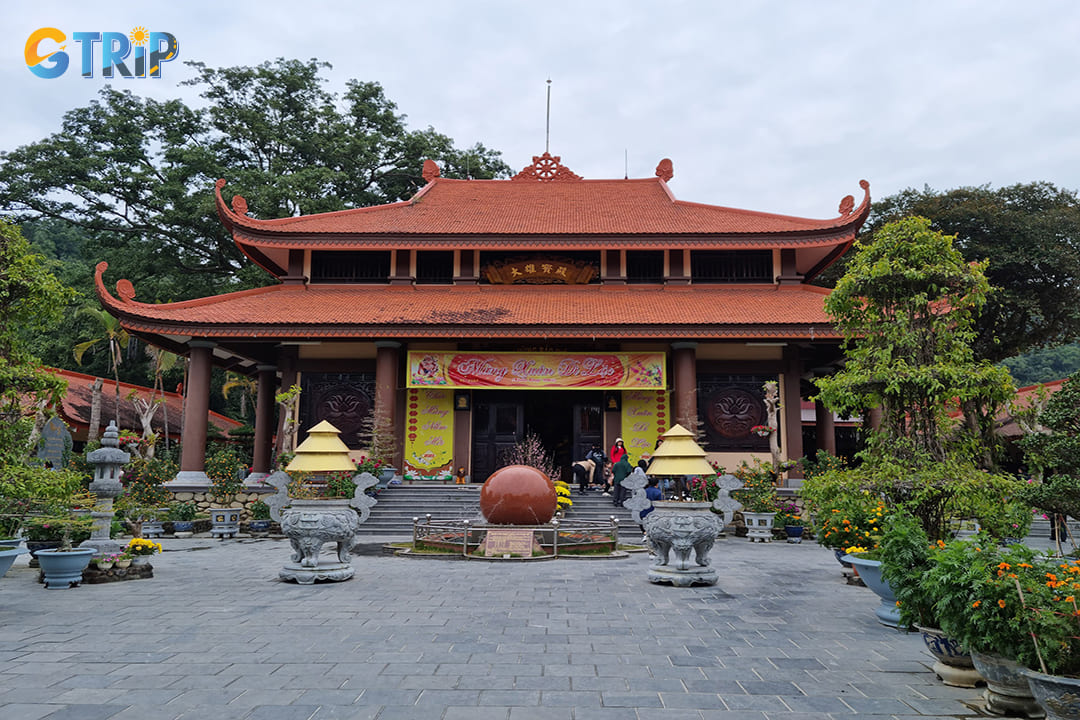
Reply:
x=941 y=544
x=976 y=604
x=1001 y=603
x=1004 y=566
x=1023 y=565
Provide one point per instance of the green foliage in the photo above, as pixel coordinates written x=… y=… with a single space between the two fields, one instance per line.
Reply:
x=1031 y=234
x=224 y=468
x=1044 y=364
x=905 y=558
x=32 y=300
x=906 y=307
x=845 y=515
x=136 y=174
x=144 y=495
x=184 y=511
x=259 y=510
x=1008 y=602
x=758 y=493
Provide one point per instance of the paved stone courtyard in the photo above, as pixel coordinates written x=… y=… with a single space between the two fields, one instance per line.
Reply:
x=216 y=635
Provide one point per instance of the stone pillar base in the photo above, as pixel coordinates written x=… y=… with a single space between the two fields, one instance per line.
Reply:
x=189 y=479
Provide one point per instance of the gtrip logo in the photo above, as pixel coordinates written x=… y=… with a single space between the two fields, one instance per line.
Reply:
x=46 y=58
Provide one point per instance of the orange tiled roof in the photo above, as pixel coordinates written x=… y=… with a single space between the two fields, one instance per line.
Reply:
x=499 y=210
x=613 y=311
x=75 y=407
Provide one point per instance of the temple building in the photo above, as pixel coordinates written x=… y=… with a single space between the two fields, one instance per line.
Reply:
x=481 y=310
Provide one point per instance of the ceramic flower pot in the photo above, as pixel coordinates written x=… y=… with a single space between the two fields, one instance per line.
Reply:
x=759 y=526
x=63 y=568
x=951 y=662
x=1059 y=696
x=7 y=557
x=1007 y=689
x=870 y=572
x=123 y=564
x=224 y=522
x=794 y=533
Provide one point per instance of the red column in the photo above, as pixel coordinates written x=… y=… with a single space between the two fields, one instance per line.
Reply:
x=684 y=366
x=386 y=383
x=792 y=408
x=264 y=421
x=826 y=428
x=196 y=412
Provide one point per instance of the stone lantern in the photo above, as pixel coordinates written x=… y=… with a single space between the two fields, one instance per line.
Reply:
x=107 y=461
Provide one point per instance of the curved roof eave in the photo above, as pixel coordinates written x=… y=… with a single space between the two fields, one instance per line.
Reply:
x=279 y=233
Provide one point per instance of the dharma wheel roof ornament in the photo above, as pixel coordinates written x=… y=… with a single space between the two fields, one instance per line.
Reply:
x=546 y=168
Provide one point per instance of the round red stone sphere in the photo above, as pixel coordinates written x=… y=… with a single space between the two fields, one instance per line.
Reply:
x=518 y=495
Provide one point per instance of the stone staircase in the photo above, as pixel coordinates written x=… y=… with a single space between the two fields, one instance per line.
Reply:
x=399 y=504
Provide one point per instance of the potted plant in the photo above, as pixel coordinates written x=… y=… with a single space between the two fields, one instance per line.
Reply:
x=182 y=514
x=141 y=549
x=789 y=517
x=758 y=497
x=260 y=517
x=224 y=470
x=905 y=560
x=62 y=567
x=145 y=495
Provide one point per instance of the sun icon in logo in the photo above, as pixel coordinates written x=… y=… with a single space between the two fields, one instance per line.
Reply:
x=138 y=35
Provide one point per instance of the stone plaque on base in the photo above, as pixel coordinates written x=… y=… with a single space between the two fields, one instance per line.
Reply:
x=508 y=541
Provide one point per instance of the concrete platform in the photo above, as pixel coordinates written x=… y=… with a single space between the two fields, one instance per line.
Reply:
x=215 y=634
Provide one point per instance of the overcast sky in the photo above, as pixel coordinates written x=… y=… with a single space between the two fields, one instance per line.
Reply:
x=773 y=106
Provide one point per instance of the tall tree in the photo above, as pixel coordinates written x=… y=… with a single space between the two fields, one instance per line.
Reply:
x=906 y=309
x=136 y=175
x=1030 y=234
x=31 y=300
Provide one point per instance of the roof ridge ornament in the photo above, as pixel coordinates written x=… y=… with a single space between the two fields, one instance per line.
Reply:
x=546 y=168
x=847 y=205
x=239 y=205
x=665 y=170
x=431 y=170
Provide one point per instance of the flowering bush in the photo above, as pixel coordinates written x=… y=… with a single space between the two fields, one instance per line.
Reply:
x=788 y=514
x=142 y=546
x=852 y=520
x=758 y=493
x=562 y=495
x=224 y=468
x=369 y=465
x=1005 y=600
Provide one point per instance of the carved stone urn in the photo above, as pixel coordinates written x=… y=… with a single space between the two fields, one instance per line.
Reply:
x=681 y=534
x=309 y=524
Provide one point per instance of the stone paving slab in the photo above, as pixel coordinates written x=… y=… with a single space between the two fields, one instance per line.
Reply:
x=216 y=634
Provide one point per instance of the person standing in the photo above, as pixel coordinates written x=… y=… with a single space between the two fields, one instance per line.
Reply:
x=619 y=472
x=618 y=451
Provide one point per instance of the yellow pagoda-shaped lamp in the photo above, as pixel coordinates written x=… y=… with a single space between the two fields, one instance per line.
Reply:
x=679 y=454
x=322 y=452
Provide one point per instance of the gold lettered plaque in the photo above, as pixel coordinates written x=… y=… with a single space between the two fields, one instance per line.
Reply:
x=507 y=541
